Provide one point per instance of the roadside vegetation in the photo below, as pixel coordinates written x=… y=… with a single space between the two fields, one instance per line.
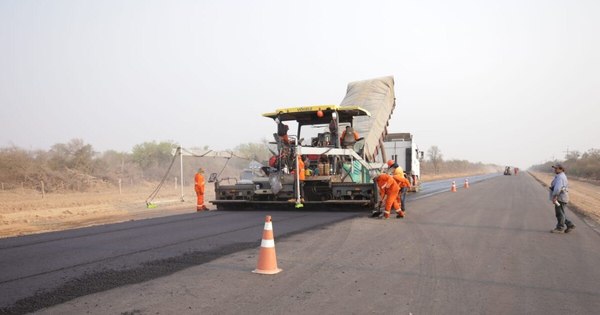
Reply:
x=584 y=166
x=76 y=166
x=435 y=167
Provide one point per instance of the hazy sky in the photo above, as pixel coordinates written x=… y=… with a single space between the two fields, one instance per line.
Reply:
x=506 y=82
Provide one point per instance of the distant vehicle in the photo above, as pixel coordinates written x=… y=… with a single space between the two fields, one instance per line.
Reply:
x=401 y=148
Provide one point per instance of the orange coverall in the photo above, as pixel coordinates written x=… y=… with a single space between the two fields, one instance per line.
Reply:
x=199 y=187
x=388 y=189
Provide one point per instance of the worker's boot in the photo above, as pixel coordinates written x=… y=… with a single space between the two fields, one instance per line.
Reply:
x=400 y=214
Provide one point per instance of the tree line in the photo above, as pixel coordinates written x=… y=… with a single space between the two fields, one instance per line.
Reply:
x=76 y=166
x=435 y=164
x=585 y=165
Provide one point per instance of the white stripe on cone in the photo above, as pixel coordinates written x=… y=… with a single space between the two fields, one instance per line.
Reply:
x=269 y=226
x=267 y=243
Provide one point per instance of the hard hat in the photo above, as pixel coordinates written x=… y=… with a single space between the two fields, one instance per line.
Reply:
x=320 y=113
x=200 y=170
x=390 y=163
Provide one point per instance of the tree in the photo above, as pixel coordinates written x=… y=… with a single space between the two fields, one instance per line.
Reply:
x=572 y=155
x=74 y=155
x=153 y=158
x=255 y=151
x=435 y=156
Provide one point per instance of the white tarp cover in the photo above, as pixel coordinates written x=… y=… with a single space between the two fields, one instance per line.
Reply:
x=377 y=97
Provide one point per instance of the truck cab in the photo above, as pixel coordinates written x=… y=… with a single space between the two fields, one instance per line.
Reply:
x=401 y=149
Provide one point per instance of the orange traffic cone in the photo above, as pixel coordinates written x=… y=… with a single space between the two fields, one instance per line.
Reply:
x=453 y=189
x=267 y=260
x=466 y=183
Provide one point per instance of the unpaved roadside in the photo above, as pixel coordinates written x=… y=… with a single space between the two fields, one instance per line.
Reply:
x=25 y=212
x=585 y=197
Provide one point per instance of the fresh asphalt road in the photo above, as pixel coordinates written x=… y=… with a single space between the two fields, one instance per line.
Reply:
x=483 y=250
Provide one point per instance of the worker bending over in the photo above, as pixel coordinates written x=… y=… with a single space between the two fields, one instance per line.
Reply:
x=388 y=191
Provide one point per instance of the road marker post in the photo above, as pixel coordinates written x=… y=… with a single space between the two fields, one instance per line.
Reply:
x=466 y=183
x=453 y=187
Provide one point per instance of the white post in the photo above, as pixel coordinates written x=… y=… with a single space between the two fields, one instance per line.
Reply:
x=175 y=178
x=43 y=190
x=120 y=190
x=181 y=169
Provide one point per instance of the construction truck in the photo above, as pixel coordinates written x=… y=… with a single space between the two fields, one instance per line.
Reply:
x=340 y=146
x=335 y=171
x=401 y=149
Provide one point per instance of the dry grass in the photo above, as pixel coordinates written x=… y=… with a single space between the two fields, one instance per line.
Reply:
x=585 y=196
x=26 y=212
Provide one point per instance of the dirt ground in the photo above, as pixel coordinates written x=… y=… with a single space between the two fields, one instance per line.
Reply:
x=26 y=212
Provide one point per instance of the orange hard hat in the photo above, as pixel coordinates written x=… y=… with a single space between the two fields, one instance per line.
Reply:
x=390 y=163
x=320 y=113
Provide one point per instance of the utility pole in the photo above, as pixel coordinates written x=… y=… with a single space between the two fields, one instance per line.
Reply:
x=181 y=169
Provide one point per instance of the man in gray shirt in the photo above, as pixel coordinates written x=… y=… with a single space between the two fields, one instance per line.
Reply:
x=559 y=194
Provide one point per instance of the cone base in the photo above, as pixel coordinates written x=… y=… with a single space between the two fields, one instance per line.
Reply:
x=267 y=272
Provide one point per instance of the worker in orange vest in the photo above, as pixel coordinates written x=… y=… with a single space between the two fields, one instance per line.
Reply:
x=301 y=176
x=404 y=186
x=301 y=173
x=349 y=132
x=388 y=191
x=199 y=188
